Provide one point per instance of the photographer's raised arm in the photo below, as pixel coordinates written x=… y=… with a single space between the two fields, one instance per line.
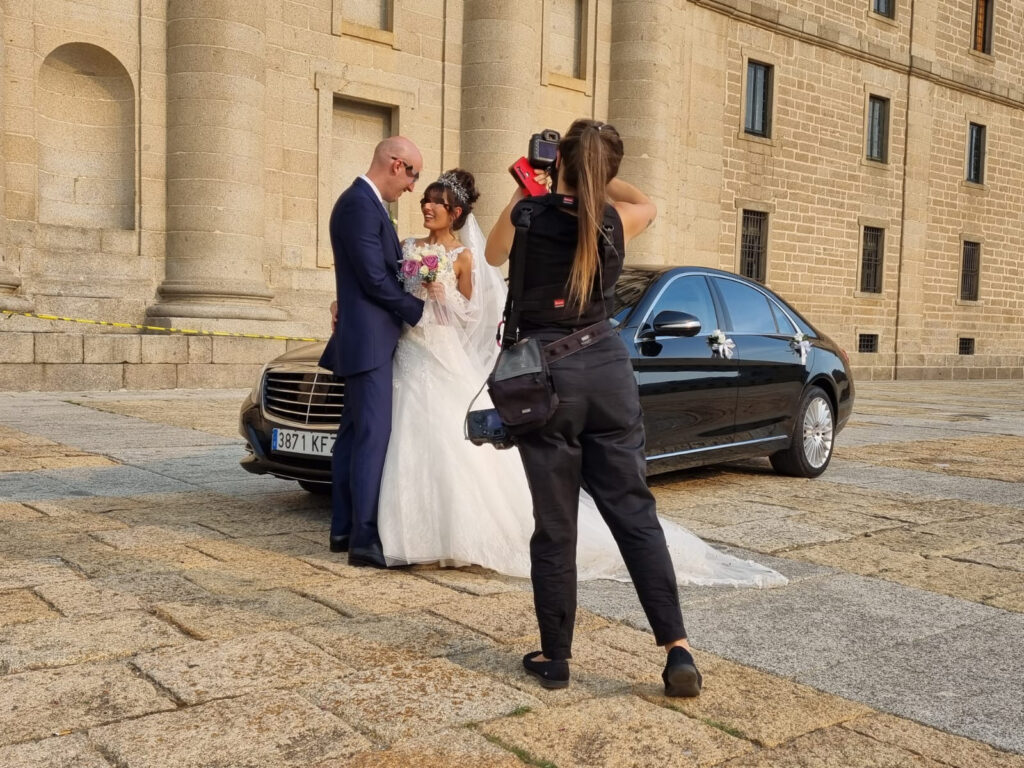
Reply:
x=499 y=241
x=636 y=209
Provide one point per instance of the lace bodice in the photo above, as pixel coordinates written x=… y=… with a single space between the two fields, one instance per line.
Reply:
x=445 y=276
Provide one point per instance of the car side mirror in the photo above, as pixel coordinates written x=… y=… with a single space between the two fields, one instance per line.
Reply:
x=672 y=323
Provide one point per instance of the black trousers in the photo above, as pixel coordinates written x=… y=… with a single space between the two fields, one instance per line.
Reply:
x=595 y=437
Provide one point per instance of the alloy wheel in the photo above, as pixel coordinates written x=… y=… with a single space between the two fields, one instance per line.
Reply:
x=818 y=432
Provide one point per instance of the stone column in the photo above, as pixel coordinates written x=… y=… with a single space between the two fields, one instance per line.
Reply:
x=215 y=162
x=642 y=99
x=500 y=75
x=10 y=281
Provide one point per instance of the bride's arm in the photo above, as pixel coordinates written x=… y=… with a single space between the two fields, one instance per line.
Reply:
x=464 y=273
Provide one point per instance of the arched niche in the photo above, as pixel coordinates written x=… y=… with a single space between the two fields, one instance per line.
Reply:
x=85 y=132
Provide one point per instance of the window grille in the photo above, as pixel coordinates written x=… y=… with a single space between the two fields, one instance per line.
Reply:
x=867 y=342
x=759 y=99
x=878 y=129
x=976 y=153
x=966 y=346
x=871 y=260
x=754 y=245
x=970 y=271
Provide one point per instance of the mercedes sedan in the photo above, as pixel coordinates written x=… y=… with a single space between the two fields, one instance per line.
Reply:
x=726 y=370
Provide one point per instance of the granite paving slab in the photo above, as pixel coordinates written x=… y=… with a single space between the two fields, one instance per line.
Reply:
x=377 y=593
x=616 y=732
x=61 y=752
x=774 y=534
x=20 y=606
x=271 y=729
x=933 y=744
x=981 y=698
x=224 y=617
x=30 y=572
x=12 y=511
x=84 y=598
x=97 y=560
x=151 y=588
x=66 y=641
x=836 y=747
x=757 y=706
x=156 y=536
x=416 y=698
x=445 y=749
x=816 y=624
x=380 y=641
x=42 y=703
x=965 y=580
x=214 y=669
x=1003 y=556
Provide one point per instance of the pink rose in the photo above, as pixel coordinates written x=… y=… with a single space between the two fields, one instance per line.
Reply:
x=410 y=268
x=430 y=261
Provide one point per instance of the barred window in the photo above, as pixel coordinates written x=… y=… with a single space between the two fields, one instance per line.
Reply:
x=754 y=245
x=965 y=346
x=867 y=343
x=976 y=153
x=884 y=8
x=878 y=129
x=871 y=257
x=758 y=121
x=970 y=271
x=983 y=10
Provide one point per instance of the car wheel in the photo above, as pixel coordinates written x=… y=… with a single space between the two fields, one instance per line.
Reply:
x=321 y=489
x=810 y=449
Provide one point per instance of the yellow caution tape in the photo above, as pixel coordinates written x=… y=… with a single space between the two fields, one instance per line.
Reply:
x=185 y=331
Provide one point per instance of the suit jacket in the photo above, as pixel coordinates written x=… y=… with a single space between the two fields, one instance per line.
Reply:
x=371 y=301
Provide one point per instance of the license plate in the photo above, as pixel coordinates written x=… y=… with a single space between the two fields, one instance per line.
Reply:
x=306 y=443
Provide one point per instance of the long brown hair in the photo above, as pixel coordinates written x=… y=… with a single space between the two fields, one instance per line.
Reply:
x=591 y=152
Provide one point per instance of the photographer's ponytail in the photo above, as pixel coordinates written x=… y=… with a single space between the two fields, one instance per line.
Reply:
x=591 y=152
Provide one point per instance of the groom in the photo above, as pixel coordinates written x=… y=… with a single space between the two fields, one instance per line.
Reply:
x=371 y=306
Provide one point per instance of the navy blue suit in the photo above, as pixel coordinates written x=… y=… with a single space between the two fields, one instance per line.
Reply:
x=372 y=306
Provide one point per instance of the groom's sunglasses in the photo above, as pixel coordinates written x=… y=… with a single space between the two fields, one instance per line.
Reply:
x=408 y=169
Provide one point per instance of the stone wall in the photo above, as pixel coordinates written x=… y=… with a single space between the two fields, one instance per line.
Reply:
x=174 y=162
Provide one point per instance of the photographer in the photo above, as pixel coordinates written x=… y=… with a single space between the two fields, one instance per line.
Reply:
x=575 y=248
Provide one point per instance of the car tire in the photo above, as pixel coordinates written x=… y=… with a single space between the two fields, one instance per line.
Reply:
x=813 y=439
x=320 y=489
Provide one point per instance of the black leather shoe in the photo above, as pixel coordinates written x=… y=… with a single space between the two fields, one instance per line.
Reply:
x=681 y=676
x=339 y=543
x=367 y=557
x=551 y=674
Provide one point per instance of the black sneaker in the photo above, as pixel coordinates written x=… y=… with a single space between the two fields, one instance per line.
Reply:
x=552 y=674
x=681 y=676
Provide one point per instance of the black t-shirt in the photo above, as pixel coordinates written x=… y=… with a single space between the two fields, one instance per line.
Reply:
x=551 y=248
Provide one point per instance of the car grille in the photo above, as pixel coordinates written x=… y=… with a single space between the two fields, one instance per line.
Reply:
x=304 y=398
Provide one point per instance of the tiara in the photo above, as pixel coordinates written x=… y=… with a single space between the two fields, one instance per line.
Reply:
x=449 y=180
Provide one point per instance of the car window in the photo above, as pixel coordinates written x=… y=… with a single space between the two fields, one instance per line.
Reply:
x=781 y=319
x=749 y=309
x=689 y=293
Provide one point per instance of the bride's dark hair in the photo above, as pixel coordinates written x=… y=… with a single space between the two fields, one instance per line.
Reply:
x=455 y=189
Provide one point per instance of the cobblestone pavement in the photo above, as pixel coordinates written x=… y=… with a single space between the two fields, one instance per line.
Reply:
x=160 y=607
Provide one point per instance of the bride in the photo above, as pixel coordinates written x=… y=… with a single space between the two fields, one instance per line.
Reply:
x=445 y=500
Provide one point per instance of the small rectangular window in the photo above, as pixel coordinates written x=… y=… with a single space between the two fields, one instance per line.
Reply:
x=872 y=252
x=976 y=153
x=878 y=129
x=966 y=347
x=867 y=342
x=754 y=245
x=758 y=121
x=983 y=26
x=970 y=271
x=884 y=8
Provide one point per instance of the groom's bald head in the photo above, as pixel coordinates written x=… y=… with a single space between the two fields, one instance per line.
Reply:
x=395 y=167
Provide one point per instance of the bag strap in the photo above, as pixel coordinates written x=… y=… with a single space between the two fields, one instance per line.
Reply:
x=513 y=301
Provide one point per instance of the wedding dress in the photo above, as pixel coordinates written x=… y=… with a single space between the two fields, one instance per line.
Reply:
x=444 y=499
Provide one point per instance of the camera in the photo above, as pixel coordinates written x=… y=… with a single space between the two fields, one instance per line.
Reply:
x=486 y=428
x=543 y=147
x=539 y=156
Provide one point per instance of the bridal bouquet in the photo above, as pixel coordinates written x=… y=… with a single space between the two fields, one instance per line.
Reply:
x=422 y=265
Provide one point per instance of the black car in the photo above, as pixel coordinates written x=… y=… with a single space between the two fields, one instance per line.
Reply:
x=726 y=370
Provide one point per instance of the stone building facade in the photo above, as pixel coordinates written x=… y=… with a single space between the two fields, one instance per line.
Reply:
x=173 y=163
